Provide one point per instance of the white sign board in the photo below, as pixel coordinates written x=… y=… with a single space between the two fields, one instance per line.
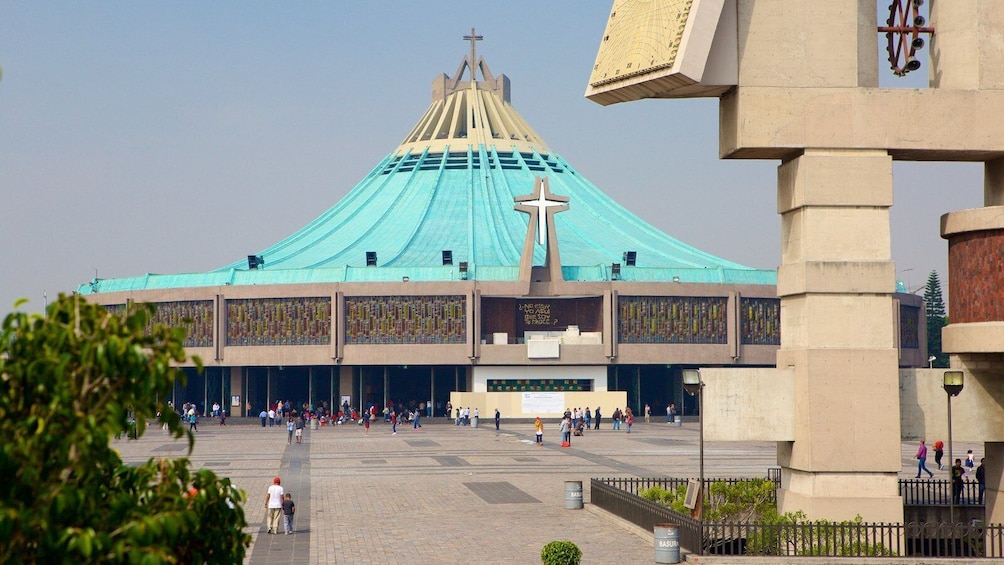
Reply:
x=543 y=403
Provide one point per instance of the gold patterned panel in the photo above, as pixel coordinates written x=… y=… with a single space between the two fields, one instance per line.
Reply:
x=641 y=36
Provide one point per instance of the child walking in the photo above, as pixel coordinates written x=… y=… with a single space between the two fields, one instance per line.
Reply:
x=288 y=510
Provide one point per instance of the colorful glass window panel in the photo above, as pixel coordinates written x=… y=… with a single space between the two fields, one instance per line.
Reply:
x=760 y=321
x=405 y=319
x=279 y=321
x=673 y=319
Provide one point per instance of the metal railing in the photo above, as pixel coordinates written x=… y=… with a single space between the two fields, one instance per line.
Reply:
x=937 y=492
x=848 y=539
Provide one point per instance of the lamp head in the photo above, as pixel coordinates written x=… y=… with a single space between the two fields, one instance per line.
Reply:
x=692 y=381
x=953 y=382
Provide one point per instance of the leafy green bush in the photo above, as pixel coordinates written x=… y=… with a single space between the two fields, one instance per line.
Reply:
x=72 y=380
x=560 y=553
x=665 y=497
x=786 y=534
x=741 y=501
x=752 y=502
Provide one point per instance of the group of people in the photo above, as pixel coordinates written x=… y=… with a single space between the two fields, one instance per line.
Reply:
x=960 y=470
x=463 y=416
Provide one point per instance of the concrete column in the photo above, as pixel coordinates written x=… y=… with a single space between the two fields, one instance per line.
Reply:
x=346 y=384
x=993 y=183
x=994 y=453
x=966 y=51
x=237 y=387
x=837 y=316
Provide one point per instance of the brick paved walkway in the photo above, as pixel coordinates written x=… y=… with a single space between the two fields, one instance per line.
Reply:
x=447 y=494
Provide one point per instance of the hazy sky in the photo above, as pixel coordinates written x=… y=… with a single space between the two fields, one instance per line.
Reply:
x=170 y=137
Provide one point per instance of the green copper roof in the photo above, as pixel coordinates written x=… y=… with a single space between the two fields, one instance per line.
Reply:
x=451 y=186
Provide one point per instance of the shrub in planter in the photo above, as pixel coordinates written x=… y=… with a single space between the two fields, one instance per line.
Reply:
x=560 y=553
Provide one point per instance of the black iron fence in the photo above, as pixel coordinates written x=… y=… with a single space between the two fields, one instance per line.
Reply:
x=937 y=492
x=855 y=539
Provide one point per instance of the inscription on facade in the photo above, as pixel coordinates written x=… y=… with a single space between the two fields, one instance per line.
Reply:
x=537 y=314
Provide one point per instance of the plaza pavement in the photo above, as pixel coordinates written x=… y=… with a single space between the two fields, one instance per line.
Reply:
x=445 y=494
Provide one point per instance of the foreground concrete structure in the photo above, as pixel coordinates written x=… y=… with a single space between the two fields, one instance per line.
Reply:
x=798 y=82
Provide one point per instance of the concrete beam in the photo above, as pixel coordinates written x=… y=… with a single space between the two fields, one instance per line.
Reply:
x=913 y=125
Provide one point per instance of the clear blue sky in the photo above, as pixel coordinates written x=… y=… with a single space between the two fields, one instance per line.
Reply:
x=169 y=137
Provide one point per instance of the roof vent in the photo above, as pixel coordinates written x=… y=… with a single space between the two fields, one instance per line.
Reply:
x=615 y=272
x=255 y=261
x=630 y=258
x=371 y=259
x=447 y=257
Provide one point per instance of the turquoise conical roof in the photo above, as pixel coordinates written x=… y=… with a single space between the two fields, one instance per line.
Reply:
x=451 y=185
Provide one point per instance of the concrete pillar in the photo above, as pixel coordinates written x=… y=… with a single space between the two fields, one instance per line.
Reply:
x=993 y=183
x=836 y=282
x=346 y=385
x=966 y=48
x=237 y=388
x=994 y=453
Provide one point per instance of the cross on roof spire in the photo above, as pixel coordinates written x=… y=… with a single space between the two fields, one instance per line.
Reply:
x=473 y=38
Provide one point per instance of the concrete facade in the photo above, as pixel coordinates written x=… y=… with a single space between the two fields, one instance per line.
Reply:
x=808 y=96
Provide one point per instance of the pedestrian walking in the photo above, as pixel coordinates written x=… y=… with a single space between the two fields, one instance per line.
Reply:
x=290 y=426
x=288 y=510
x=498 y=418
x=538 y=428
x=298 y=432
x=598 y=415
x=264 y=416
x=273 y=504
x=393 y=422
x=922 y=461
x=589 y=418
x=939 y=452
x=648 y=414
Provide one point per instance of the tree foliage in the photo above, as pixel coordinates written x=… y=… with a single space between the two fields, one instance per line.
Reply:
x=71 y=380
x=936 y=319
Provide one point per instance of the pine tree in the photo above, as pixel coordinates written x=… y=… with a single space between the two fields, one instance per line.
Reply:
x=936 y=319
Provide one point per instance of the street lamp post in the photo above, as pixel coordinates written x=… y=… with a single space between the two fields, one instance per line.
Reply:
x=693 y=384
x=952 y=383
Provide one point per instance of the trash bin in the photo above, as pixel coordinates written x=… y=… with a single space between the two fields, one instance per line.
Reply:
x=573 y=495
x=678 y=421
x=313 y=423
x=474 y=422
x=667 y=543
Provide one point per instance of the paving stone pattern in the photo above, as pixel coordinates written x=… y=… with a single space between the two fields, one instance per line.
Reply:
x=447 y=494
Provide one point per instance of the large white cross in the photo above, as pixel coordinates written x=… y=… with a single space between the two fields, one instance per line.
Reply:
x=542 y=203
x=541 y=199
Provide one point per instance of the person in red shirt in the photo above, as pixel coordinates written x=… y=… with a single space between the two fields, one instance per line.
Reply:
x=939 y=452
